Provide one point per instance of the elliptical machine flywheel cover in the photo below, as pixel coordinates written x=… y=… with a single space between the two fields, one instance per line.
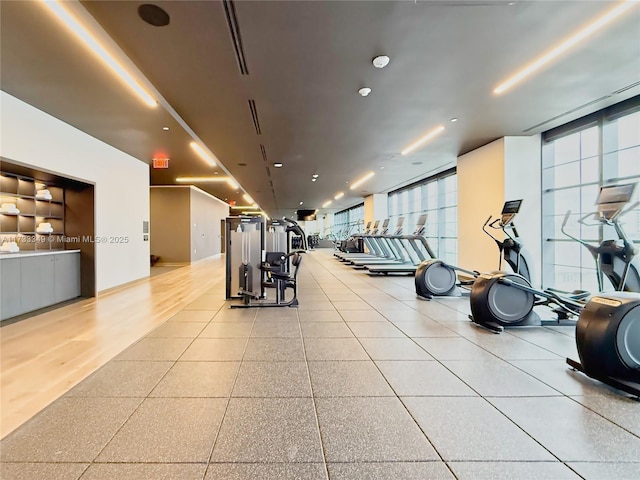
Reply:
x=608 y=336
x=495 y=302
x=434 y=277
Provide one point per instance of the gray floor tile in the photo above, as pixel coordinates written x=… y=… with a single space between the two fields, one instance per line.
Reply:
x=607 y=471
x=38 y=471
x=279 y=430
x=425 y=328
x=343 y=297
x=370 y=430
x=235 y=315
x=319 y=316
x=469 y=428
x=423 y=378
x=352 y=305
x=316 y=306
x=362 y=316
x=274 y=350
x=375 y=330
x=215 y=350
x=492 y=377
x=122 y=379
x=140 y=471
x=408 y=315
x=621 y=410
x=326 y=330
x=561 y=345
x=206 y=302
x=227 y=330
x=277 y=315
x=156 y=349
x=512 y=470
x=390 y=471
x=69 y=430
x=394 y=349
x=347 y=379
x=558 y=375
x=192 y=316
x=167 y=430
x=569 y=430
x=452 y=348
x=334 y=349
x=276 y=330
x=272 y=379
x=198 y=379
x=178 y=330
x=273 y=471
x=511 y=347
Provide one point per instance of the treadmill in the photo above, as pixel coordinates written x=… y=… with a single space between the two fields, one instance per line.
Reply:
x=393 y=251
x=417 y=248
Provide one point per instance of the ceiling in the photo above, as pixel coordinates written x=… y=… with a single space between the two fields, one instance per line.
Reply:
x=302 y=65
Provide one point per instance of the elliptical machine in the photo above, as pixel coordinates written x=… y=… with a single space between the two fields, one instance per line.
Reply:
x=500 y=300
x=435 y=278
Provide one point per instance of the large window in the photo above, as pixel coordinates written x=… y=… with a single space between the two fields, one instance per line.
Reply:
x=438 y=198
x=602 y=149
x=348 y=221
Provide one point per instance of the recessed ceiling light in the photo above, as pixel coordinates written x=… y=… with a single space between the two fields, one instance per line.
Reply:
x=154 y=15
x=423 y=140
x=277 y=165
x=314 y=179
x=364 y=91
x=315 y=175
x=587 y=31
x=338 y=196
x=416 y=163
x=453 y=120
x=381 y=61
x=165 y=128
x=301 y=203
x=382 y=168
x=326 y=204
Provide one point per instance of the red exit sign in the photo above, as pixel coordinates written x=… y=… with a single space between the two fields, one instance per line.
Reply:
x=160 y=163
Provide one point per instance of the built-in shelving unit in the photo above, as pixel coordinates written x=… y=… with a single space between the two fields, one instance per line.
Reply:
x=34 y=210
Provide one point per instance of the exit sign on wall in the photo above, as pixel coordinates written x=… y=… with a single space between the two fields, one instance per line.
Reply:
x=160 y=163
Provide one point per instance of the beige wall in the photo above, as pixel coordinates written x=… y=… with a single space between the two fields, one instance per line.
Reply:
x=169 y=226
x=375 y=208
x=480 y=194
x=206 y=213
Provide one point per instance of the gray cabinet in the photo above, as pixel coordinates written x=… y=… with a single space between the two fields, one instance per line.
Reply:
x=30 y=282
x=36 y=282
x=66 y=281
x=10 y=284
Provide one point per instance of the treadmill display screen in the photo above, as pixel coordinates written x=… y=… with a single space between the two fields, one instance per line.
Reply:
x=511 y=207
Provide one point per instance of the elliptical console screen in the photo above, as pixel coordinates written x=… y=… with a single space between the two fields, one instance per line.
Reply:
x=615 y=194
x=511 y=207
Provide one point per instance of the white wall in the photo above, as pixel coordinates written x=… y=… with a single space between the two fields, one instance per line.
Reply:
x=522 y=177
x=206 y=211
x=480 y=194
x=32 y=137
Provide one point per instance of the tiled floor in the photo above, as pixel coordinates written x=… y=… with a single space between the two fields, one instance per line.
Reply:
x=363 y=381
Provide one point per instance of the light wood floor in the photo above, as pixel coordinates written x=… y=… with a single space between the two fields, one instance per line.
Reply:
x=42 y=357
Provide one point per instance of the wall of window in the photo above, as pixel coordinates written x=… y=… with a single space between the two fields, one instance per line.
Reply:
x=438 y=198
x=601 y=149
x=348 y=221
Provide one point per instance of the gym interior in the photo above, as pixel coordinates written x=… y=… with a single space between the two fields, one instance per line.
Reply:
x=320 y=240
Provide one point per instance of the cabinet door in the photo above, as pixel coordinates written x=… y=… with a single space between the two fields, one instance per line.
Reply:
x=11 y=303
x=36 y=283
x=67 y=276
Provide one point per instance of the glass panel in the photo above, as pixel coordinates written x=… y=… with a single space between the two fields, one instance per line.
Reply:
x=590 y=142
x=567 y=149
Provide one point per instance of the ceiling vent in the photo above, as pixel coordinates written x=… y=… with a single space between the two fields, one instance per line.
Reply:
x=236 y=39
